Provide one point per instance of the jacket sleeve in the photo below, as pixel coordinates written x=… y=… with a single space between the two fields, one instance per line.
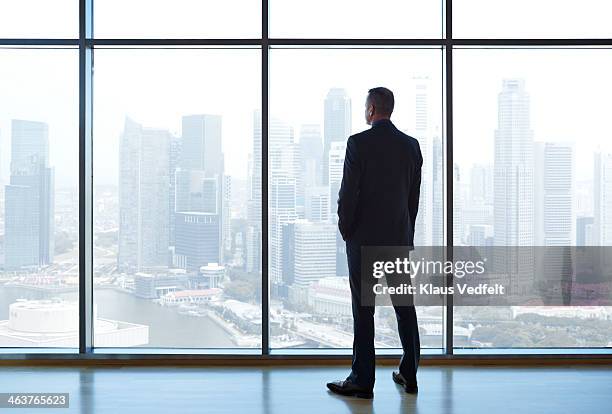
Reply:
x=348 y=197
x=415 y=188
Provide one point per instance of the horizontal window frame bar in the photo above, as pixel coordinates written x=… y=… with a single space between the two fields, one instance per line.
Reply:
x=118 y=353
x=39 y=42
x=258 y=359
x=92 y=42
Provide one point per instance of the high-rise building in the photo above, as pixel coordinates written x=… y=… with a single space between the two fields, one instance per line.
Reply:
x=437 y=180
x=458 y=225
x=585 y=233
x=513 y=204
x=253 y=233
x=337 y=123
x=196 y=192
x=337 y=154
x=144 y=185
x=317 y=205
x=602 y=205
x=481 y=184
x=199 y=178
x=335 y=164
x=29 y=198
x=280 y=137
x=288 y=240
x=226 y=220
x=175 y=156
x=282 y=211
x=513 y=209
x=424 y=132
x=553 y=194
x=311 y=155
x=314 y=256
x=201 y=137
x=197 y=240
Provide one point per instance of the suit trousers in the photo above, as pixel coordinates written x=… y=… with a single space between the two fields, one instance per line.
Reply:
x=363 y=364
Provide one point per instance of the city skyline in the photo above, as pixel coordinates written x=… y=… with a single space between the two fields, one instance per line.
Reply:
x=179 y=184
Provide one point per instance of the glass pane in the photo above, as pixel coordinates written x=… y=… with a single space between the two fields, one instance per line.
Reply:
x=539 y=121
x=188 y=19
x=39 y=19
x=539 y=19
x=356 y=19
x=39 y=198
x=174 y=148
x=309 y=125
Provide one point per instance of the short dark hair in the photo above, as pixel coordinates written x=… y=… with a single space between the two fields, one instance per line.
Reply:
x=382 y=99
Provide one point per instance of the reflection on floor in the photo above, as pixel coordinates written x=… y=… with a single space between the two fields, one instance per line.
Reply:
x=296 y=390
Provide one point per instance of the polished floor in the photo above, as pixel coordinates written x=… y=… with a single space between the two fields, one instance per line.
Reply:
x=293 y=390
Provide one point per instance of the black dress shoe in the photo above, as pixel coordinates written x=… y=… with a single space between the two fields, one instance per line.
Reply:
x=349 y=389
x=410 y=388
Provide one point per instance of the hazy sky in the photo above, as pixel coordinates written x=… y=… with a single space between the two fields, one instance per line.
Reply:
x=570 y=93
x=42 y=85
x=313 y=18
x=570 y=89
x=156 y=87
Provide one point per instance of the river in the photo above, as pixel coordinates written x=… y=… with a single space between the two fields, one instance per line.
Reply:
x=167 y=328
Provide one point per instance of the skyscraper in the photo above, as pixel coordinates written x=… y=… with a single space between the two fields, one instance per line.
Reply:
x=513 y=205
x=437 y=180
x=29 y=198
x=175 y=156
x=584 y=231
x=337 y=123
x=316 y=205
x=337 y=154
x=253 y=232
x=282 y=211
x=423 y=132
x=201 y=137
x=335 y=172
x=458 y=235
x=553 y=194
x=197 y=240
x=314 y=255
x=283 y=165
x=144 y=185
x=513 y=208
x=226 y=220
x=311 y=155
x=200 y=181
x=602 y=220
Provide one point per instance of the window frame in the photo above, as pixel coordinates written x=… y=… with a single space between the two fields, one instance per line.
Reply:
x=86 y=43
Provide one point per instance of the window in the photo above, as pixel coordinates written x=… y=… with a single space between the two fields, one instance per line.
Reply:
x=217 y=132
x=175 y=145
x=540 y=112
x=355 y=19
x=309 y=124
x=541 y=19
x=58 y=19
x=187 y=19
x=39 y=198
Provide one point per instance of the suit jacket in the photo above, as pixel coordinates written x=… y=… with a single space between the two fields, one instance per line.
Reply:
x=379 y=195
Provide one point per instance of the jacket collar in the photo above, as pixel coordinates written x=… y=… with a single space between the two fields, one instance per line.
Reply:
x=381 y=122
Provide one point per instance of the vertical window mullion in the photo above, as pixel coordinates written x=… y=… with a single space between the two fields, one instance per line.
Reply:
x=448 y=332
x=265 y=282
x=85 y=177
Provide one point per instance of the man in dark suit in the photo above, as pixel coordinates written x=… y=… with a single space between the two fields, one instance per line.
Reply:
x=377 y=206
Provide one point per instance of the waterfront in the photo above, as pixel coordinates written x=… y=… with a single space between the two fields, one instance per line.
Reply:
x=167 y=327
